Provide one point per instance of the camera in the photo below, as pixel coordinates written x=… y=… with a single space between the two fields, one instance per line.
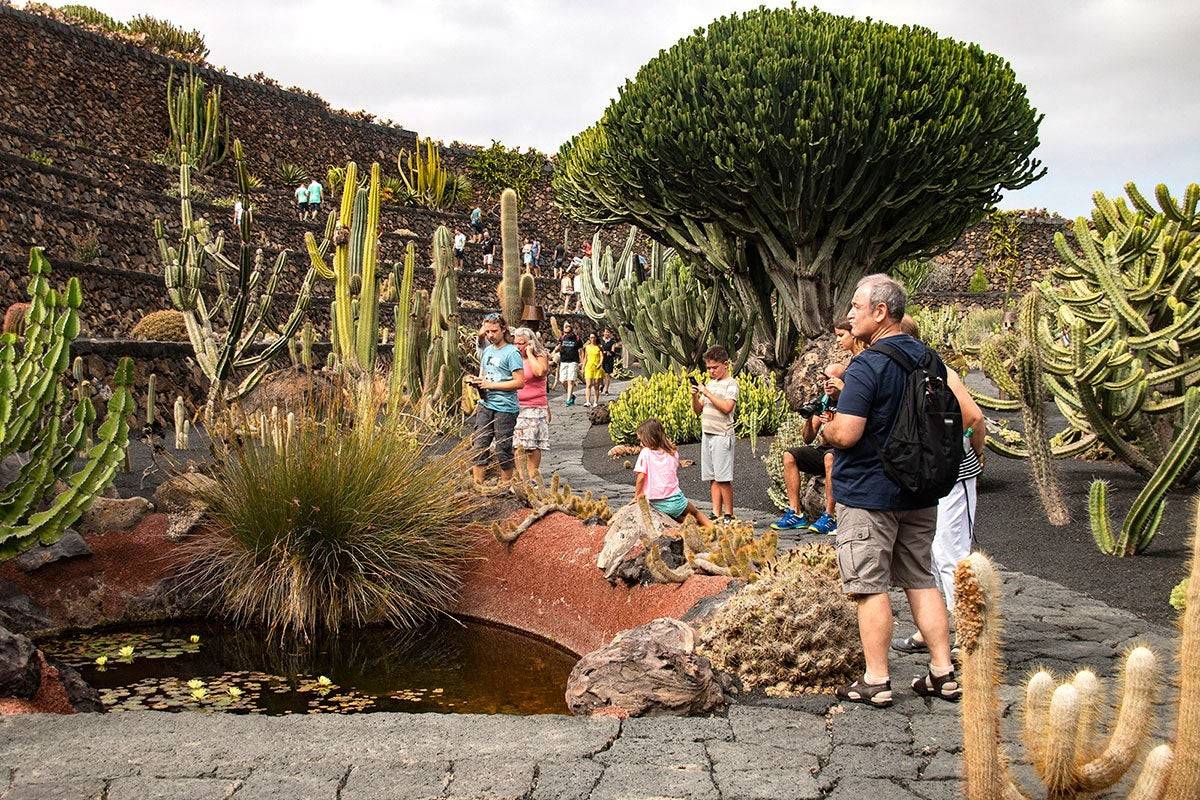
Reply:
x=814 y=407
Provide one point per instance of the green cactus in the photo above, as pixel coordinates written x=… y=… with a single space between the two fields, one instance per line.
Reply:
x=194 y=114
x=226 y=338
x=355 y=275
x=32 y=400
x=670 y=318
x=426 y=371
x=510 y=247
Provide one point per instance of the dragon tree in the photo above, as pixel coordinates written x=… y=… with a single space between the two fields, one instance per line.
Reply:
x=787 y=152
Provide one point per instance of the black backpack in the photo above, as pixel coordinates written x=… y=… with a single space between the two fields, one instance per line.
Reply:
x=925 y=447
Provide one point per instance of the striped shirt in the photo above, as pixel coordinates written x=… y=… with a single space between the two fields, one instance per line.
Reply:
x=970 y=466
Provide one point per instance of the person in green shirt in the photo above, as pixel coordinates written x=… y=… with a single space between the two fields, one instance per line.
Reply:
x=315 y=190
x=301 y=200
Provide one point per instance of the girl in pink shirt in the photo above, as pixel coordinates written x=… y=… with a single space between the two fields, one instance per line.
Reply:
x=657 y=471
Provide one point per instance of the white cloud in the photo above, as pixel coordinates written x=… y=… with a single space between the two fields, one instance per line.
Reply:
x=1115 y=78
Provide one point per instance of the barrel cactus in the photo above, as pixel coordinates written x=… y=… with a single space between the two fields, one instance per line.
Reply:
x=167 y=325
x=790 y=631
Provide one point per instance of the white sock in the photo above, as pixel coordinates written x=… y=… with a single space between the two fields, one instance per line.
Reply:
x=872 y=680
x=940 y=672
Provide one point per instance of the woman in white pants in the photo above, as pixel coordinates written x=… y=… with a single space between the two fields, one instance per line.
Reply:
x=956 y=511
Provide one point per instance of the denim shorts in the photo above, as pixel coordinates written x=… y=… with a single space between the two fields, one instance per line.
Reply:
x=498 y=426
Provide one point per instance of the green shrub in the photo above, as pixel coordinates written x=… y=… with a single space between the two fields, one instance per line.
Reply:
x=92 y=16
x=1179 y=596
x=347 y=524
x=168 y=38
x=978 y=324
x=41 y=158
x=789 y=435
x=912 y=273
x=497 y=168
x=979 y=281
x=761 y=407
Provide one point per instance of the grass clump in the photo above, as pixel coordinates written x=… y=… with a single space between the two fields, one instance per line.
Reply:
x=338 y=524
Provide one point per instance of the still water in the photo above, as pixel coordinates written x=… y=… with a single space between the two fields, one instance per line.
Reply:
x=449 y=667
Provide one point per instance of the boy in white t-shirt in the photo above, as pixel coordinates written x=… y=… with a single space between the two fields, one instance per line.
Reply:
x=715 y=401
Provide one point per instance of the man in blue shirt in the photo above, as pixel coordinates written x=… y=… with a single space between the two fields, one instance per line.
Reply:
x=501 y=374
x=884 y=537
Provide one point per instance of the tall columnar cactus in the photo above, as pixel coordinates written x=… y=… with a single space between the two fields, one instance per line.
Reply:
x=194 y=114
x=355 y=275
x=32 y=400
x=426 y=368
x=228 y=338
x=510 y=249
x=1061 y=722
x=1032 y=394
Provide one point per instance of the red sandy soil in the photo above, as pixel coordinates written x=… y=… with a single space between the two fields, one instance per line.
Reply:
x=547 y=583
x=51 y=697
x=95 y=589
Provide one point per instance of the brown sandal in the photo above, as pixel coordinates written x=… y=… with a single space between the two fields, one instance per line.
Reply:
x=878 y=695
x=945 y=688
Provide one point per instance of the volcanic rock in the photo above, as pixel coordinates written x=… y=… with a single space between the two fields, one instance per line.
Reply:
x=647 y=671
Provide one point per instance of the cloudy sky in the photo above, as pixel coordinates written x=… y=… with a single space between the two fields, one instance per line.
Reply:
x=1117 y=80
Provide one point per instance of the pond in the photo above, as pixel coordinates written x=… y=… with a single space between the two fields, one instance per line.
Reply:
x=449 y=667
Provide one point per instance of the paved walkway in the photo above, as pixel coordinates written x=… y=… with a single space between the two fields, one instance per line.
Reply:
x=806 y=747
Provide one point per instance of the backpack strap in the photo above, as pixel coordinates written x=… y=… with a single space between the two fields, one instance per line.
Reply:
x=905 y=362
x=897 y=355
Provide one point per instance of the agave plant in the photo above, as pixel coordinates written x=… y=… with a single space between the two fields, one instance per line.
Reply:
x=289 y=174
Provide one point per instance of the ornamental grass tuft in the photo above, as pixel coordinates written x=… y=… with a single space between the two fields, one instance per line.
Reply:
x=345 y=523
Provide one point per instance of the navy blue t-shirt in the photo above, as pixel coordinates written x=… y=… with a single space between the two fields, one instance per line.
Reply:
x=874 y=388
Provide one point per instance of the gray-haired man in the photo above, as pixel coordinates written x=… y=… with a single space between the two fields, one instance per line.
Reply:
x=884 y=537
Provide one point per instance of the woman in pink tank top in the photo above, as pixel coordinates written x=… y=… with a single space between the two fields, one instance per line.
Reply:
x=532 y=434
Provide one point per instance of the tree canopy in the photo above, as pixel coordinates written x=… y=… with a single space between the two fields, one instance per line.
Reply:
x=788 y=152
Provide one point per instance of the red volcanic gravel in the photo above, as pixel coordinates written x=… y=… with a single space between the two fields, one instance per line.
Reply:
x=94 y=589
x=547 y=583
x=51 y=697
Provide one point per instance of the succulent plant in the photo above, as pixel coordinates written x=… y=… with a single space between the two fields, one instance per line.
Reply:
x=168 y=325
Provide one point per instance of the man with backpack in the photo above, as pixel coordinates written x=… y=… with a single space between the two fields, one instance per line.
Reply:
x=898 y=434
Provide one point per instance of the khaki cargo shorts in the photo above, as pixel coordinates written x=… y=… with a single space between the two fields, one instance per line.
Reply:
x=877 y=550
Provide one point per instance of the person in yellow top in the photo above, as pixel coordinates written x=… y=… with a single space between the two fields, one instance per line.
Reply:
x=593 y=371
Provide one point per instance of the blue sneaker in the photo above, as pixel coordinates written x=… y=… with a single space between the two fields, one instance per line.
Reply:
x=790 y=521
x=571 y=400
x=824 y=524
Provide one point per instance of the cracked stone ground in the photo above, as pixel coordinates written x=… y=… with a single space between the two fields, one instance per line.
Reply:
x=807 y=747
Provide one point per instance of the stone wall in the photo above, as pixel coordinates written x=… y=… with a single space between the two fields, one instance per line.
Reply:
x=950 y=278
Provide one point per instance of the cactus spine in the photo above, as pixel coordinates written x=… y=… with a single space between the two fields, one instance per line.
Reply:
x=1060 y=722
x=354 y=273
x=225 y=339
x=510 y=248
x=32 y=400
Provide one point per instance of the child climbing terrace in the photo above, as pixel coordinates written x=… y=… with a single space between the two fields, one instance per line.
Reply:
x=657 y=471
